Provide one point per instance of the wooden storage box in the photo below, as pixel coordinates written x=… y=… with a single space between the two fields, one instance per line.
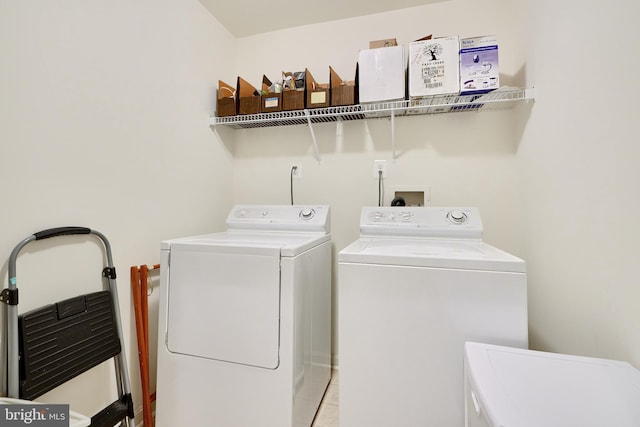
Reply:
x=293 y=90
x=271 y=101
x=292 y=100
x=317 y=93
x=249 y=99
x=226 y=107
x=343 y=92
x=226 y=102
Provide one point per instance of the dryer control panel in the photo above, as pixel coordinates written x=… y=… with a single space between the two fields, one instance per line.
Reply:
x=303 y=218
x=442 y=222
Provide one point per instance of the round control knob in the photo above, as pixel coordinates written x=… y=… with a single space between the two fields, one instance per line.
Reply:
x=375 y=216
x=406 y=216
x=457 y=217
x=307 y=213
x=241 y=213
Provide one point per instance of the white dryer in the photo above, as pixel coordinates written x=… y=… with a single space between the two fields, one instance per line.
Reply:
x=417 y=284
x=512 y=387
x=245 y=321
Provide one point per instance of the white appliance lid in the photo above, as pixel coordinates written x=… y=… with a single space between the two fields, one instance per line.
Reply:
x=435 y=253
x=525 y=388
x=292 y=228
x=290 y=244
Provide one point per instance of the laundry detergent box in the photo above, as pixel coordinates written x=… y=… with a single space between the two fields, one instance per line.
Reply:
x=434 y=67
x=479 y=65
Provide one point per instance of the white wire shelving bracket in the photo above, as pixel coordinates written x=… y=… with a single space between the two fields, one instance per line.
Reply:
x=504 y=98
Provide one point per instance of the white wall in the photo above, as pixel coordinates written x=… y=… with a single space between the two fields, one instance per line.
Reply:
x=579 y=174
x=556 y=183
x=104 y=106
x=103 y=123
x=466 y=159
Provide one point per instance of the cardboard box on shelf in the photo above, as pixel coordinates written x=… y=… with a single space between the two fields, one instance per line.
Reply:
x=226 y=102
x=434 y=67
x=376 y=44
x=317 y=93
x=429 y=37
x=271 y=100
x=381 y=74
x=479 y=65
x=249 y=98
x=343 y=92
x=292 y=100
x=293 y=90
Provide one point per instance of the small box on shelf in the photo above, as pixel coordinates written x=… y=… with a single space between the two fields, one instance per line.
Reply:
x=434 y=67
x=249 y=99
x=293 y=89
x=479 y=71
x=381 y=74
x=343 y=92
x=317 y=93
x=226 y=100
x=375 y=44
x=271 y=96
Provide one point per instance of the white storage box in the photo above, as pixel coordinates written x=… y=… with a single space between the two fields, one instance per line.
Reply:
x=434 y=67
x=381 y=74
x=479 y=71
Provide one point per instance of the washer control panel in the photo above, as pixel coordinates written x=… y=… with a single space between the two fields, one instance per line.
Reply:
x=421 y=221
x=379 y=216
x=279 y=217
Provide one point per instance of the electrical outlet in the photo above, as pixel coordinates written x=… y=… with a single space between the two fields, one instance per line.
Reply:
x=379 y=165
x=296 y=170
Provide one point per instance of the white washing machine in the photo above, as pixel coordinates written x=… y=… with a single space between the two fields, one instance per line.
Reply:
x=509 y=387
x=416 y=286
x=245 y=321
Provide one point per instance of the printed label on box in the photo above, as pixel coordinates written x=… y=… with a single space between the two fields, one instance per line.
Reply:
x=433 y=67
x=271 y=102
x=479 y=65
x=318 y=97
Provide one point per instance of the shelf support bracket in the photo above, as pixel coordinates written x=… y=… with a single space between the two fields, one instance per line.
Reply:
x=393 y=136
x=316 y=151
x=529 y=94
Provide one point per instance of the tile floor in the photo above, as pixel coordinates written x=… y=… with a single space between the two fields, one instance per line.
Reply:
x=327 y=415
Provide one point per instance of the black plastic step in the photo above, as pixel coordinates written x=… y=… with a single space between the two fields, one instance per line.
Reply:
x=114 y=413
x=60 y=341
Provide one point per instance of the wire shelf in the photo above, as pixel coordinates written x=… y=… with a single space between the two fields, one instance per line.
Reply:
x=503 y=98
